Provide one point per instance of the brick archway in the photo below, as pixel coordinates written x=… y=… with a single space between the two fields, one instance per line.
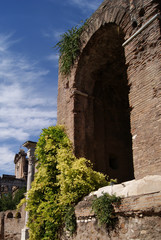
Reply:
x=142 y=63
x=102 y=123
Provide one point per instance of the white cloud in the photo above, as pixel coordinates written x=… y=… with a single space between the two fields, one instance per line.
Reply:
x=53 y=57
x=20 y=109
x=6 y=160
x=14 y=67
x=53 y=34
x=16 y=133
x=86 y=4
x=10 y=94
x=5 y=41
x=31 y=120
x=6 y=154
x=57 y=34
x=25 y=113
x=27 y=101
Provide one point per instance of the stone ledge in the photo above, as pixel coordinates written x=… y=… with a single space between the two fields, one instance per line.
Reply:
x=148 y=184
x=141 y=205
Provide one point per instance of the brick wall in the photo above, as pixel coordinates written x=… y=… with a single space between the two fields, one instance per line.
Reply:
x=11 y=224
x=144 y=71
x=142 y=61
x=139 y=217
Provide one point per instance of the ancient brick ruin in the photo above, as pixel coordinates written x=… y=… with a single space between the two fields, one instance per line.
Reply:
x=110 y=105
x=11 y=221
x=138 y=218
x=21 y=165
x=10 y=183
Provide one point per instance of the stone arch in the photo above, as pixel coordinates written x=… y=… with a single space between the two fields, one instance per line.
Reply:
x=18 y=215
x=102 y=122
x=10 y=215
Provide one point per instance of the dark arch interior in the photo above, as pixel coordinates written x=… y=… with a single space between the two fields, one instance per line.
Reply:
x=10 y=215
x=18 y=215
x=102 y=120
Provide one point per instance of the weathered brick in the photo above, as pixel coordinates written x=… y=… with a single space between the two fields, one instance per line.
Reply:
x=142 y=58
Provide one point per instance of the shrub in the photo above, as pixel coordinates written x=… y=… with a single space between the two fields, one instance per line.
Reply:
x=61 y=181
x=19 y=195
x=9 y=202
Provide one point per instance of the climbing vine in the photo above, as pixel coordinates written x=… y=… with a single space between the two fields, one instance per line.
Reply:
x=61 y=181
x=69 y=48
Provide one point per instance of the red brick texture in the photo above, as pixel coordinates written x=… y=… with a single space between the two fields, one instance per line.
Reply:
x=132 y=145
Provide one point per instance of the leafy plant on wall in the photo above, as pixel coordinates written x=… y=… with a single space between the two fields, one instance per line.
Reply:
x=69 y=48
x=61 y=181
x=103 y=208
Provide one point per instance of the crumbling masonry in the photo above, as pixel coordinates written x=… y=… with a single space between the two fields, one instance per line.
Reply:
x=111 y=102
x=110 y=105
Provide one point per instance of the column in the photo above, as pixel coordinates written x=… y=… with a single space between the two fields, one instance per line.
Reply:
x=30 y=177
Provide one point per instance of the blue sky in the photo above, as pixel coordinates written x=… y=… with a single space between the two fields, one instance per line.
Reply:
x=29 y=67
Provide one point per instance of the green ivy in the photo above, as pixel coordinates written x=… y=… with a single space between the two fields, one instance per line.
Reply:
x=69 y=48
x=103 y=207
x=61 y=181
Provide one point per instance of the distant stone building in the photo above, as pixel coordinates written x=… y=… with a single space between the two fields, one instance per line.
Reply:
x=10 y=183
x=21 y=165
x=11 y=221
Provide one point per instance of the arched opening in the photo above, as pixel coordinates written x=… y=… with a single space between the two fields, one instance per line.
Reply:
x=102 y=114
x=18 y=215
x=10 y=215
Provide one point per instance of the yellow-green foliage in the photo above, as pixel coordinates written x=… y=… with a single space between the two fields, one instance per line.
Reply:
x=23 y=201
x=61 y=181
x=77 y=177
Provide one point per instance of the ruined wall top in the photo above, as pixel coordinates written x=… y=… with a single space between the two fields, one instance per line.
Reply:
x=21 y=164
x=19 y=155
x=123 y=13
